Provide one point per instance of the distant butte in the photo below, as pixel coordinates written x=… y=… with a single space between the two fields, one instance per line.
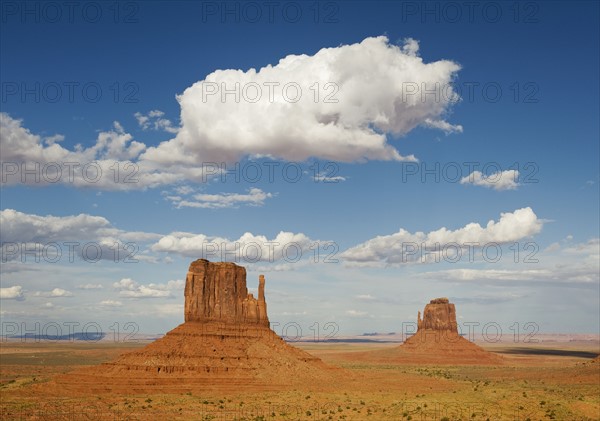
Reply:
x=437 y=338
x=437 y=341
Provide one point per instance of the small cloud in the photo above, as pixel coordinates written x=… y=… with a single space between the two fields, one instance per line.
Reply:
x=12 y=293
x=365 y=297
x=48 y=305
x=59 y=292
x=502 y=180
x=132 y=289
x=446 y=127
x=90 y=286
x=111 y=303
x=254 y=197
x=184 y=190
x=356 y=313
x=410 y=47
x=51 y=140
x=323 y=177
x=154 y=120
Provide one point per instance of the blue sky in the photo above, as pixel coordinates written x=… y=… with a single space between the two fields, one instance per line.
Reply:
x=377 y=175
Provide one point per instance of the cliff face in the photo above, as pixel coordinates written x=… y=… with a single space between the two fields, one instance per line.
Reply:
x=439 y=315
x=218 y=292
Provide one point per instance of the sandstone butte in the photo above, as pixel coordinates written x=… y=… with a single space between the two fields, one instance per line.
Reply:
x=436 y=341
x=437 y=338
x=224 y=343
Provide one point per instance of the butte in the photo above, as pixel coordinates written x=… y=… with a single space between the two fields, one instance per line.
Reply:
x=225 y=343
x=436 y=341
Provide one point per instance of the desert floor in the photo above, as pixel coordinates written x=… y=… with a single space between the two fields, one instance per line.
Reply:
x=537 y=381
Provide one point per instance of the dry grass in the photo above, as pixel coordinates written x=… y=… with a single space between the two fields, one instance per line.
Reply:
x=536 y=382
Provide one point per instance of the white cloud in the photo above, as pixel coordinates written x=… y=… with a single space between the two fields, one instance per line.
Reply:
x=254 y=197
x=132 y=289
x=90 y=286
x=365 y=297
x=90 y=237
x=111 y=163
x=184 y=190
x=502 y=180
x=111 y=303
x=153 y=120
x=12 y=293
x=368 y=93
x=443 y=125
x=575 y=266
x=59 y=292
x=402 y=246
x=51 y=140
x=324 y=177
x=55 y=293
x=375 y=90
x=248 y=248
x=356 y=313
x=410 y=47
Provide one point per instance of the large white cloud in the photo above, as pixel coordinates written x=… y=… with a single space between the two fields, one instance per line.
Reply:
x=367 y=92
x=376 y=89
x=403 y=245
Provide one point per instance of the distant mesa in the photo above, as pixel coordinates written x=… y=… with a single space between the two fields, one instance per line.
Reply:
x=225 y=342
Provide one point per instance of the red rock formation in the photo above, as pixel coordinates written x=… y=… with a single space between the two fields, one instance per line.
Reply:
x=225 y=343
x=439 y=315
x=437 y=338
x=217 y=292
